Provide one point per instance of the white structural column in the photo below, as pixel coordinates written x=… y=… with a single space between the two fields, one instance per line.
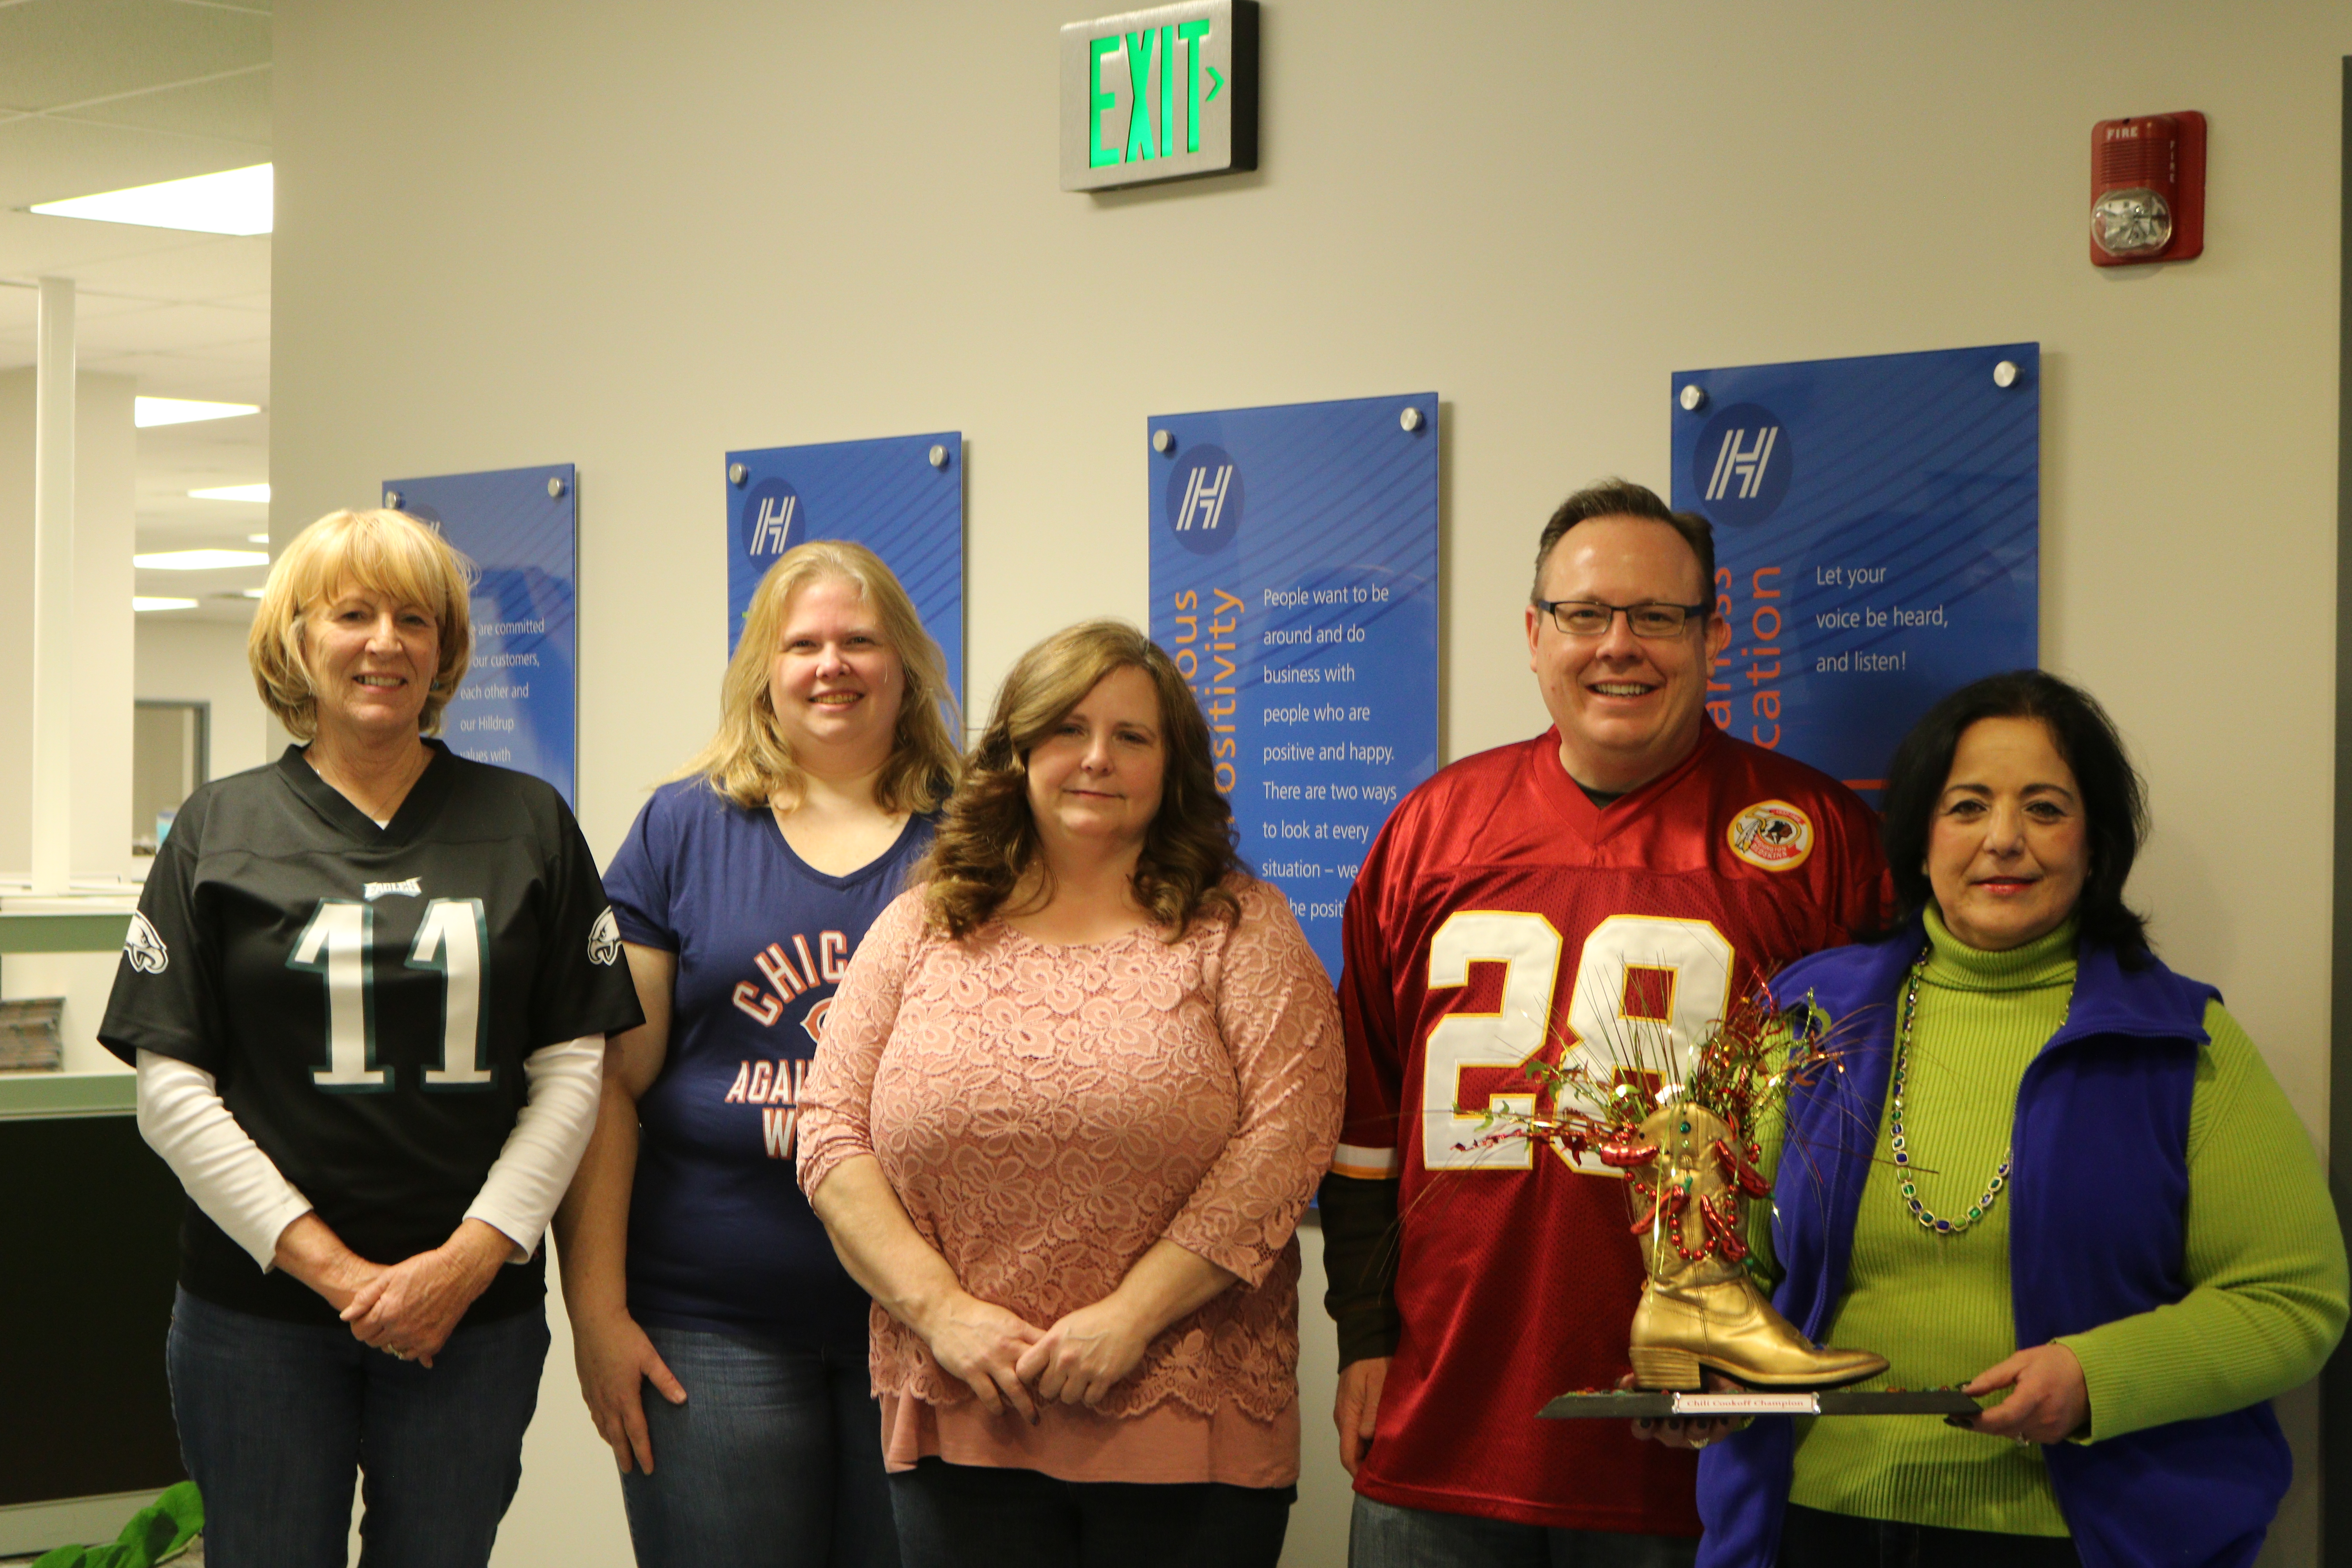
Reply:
x=53 y=576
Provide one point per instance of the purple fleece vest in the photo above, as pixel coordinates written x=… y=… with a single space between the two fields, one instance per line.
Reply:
x=2096 y=1194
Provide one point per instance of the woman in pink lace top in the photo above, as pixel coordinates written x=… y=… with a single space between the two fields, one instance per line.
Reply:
x=1073 y=1094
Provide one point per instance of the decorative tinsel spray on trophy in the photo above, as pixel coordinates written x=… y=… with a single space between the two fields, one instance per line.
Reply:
x=1683 y=1127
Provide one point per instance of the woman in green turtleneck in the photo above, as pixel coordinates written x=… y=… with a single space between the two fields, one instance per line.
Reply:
x=2085 y=1199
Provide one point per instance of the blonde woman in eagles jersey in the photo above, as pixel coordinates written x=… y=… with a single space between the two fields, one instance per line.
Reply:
x=366 y=993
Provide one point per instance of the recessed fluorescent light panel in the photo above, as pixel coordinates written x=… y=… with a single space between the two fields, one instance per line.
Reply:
x=236 y=201
x=257 y=539
x=199 y=560
x=142 y=604
x=148 y=412
x=235 y=492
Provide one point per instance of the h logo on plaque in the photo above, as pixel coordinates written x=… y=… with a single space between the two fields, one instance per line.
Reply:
x=1742 y=465
x=1204 y=500
x=769 y=513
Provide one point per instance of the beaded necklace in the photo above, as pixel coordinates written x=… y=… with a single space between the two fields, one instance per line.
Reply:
x=1983 y=1205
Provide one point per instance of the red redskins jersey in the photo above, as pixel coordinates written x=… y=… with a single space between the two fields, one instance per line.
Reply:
x=1500 y=917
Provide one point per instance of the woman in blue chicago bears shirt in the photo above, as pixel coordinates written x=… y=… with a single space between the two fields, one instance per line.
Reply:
x=690 y=1260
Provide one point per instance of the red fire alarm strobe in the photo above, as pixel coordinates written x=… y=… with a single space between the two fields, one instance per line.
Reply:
x=2147 y=189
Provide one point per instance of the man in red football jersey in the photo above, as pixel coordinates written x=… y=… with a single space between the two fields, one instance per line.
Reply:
x=1625 y=875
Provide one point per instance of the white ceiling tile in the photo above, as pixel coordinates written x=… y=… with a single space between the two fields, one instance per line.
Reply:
x=204 y=441
x=252 y=353
x=162 y=329
x=32 y=245
x=203 y=270
x=173 y=375
x=20 y=312
x=236 y=108
x=43 y=160
x=173 y=507
x=200 y=362
x=56 y=52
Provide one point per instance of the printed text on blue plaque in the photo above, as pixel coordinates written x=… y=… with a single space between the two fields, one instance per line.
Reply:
x=1878 y=538
x=1294 y=579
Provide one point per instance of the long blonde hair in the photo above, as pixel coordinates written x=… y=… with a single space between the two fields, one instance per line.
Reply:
x=749 y=761
x=387 y=552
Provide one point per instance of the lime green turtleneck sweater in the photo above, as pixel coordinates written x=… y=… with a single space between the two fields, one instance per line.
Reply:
x=2262 y=1256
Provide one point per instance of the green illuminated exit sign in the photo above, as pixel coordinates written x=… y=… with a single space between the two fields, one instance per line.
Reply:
x=1164 y=94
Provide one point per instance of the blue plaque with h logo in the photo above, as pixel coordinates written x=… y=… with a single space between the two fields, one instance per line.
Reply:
x=1878 y=538
x=1293 y=580
x=900 y=497
x=517 y=706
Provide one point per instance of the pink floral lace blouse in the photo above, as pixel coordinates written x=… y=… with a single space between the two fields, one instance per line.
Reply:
x=1047 y=1113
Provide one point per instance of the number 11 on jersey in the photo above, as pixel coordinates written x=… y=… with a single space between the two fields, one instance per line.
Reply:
x=339 y=946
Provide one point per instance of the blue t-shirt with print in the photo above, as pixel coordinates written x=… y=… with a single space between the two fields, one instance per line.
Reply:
x=719 y=1236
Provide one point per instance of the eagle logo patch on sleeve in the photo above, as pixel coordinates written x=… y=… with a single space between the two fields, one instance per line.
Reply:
x=604 y=940
x=145 y=949
x=1773 y=835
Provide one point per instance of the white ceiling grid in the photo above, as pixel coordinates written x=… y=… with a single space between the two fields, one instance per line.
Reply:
x=100 y=95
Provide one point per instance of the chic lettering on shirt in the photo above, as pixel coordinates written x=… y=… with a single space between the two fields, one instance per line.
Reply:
x=787 y=980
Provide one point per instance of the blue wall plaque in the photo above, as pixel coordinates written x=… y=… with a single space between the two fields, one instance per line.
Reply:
x=888 y=495
x=1293 y=578
x=1878 y=538
x=518 y=705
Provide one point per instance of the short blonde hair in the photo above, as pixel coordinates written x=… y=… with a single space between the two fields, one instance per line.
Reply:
x=387 y=552
x=749 y=761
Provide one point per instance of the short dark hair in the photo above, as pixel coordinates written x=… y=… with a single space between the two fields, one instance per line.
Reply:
x=2114 y=801
x=1624 y=498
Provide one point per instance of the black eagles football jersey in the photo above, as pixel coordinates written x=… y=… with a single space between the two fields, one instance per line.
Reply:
x=366 y=996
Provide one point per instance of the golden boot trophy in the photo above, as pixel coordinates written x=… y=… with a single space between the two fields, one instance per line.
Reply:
x=1699 y=1308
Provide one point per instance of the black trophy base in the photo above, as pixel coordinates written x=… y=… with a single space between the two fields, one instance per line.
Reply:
x=1627 y=1404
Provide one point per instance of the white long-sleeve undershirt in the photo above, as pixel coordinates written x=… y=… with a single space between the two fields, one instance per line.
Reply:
x=242 y=1191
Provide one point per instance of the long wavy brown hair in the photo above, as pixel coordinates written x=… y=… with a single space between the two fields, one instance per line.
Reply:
x=987 y=839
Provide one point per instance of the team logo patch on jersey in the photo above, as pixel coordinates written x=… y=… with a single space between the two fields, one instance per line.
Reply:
x=145 y=949
x=406 y=890
x=604 y=940
x=1772 y=834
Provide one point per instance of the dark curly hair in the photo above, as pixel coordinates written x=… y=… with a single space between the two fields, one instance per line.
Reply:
x=987 y=838
x=2114 y=801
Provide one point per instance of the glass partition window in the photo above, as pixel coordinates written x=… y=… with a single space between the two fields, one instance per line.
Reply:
x=170 y=756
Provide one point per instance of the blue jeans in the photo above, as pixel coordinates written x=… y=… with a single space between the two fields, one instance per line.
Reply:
x=773 y=1461
x=976 y=1516
x=275 y=1418
x=1382 y=1535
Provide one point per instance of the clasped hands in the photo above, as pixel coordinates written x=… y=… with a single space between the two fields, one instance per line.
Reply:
x=408 y=1310
x=1005 y=1360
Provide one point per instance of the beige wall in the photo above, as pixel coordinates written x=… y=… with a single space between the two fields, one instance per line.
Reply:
x=633 y=237
x=203 y=662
